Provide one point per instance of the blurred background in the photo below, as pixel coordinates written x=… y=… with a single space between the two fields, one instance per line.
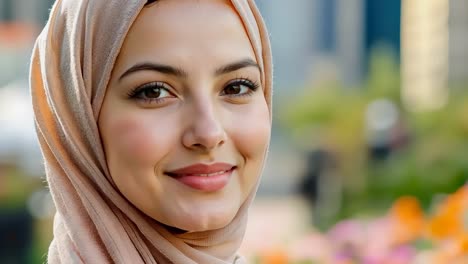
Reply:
x=368 y=159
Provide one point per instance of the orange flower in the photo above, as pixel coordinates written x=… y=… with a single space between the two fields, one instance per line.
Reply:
x=443 y=226
x=462 y=243
x=408 y=218
x=277 y=256
x=448 y=221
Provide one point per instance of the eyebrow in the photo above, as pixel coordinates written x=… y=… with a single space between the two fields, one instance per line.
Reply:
x=167 y=69
x=237 y=66
x=149 y=66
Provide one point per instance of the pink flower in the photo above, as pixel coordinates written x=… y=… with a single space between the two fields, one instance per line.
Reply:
x=348 y=236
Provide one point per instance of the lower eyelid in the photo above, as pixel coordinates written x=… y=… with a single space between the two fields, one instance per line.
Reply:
x=153 y=102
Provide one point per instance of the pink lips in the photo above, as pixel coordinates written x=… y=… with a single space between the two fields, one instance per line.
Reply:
x=203 y=177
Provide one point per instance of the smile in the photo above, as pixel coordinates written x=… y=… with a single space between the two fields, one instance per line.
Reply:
x=207 y=178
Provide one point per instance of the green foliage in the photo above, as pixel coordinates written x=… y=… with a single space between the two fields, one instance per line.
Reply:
x=435 y=161
x=15 y=189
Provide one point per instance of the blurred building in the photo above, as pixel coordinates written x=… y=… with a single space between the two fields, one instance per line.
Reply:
x=20 y=22
x=311 y=38
x=319 y=39
x=425 y=42
x=25 y=11
x=435 y=51
x=458 y=41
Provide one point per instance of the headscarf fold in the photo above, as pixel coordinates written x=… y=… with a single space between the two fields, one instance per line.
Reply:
x=71 y=66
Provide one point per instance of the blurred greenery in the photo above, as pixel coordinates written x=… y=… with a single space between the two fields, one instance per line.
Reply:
x=15 y=190
x=331 y=116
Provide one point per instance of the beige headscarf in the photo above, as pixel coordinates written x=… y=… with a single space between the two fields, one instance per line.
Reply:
x=71 y=67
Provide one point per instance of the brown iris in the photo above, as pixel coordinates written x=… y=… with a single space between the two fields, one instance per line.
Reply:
x=233 y=89
x=152 y=92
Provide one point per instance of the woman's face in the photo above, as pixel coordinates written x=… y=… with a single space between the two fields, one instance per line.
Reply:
x=184 y=123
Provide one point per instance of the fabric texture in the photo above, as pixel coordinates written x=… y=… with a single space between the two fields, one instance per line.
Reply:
x=70 y=69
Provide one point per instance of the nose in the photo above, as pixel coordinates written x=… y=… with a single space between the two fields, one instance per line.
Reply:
x=205 y=131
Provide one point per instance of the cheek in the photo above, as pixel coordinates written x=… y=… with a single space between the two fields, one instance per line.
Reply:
x=136 y=139
x=251 y=132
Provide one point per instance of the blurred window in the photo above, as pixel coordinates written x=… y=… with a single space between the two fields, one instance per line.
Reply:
x=6 y=12
x=327 y=30
x=383 y=19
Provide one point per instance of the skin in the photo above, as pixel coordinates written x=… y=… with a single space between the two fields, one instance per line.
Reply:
x=201 y=116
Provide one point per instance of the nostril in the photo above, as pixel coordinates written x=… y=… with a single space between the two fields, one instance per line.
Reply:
x=207 y=145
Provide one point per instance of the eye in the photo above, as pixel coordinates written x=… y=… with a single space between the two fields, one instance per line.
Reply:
x=240 y=87
x=155 y=91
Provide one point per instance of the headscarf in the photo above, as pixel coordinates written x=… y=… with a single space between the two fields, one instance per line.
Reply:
x=70 y=69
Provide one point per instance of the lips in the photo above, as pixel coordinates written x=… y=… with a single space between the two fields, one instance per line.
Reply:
x=202 y=170
x=203 y=177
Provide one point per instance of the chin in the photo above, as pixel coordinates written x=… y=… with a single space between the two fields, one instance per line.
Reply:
x=198 y=221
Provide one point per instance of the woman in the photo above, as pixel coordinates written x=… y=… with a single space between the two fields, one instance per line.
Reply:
x=154 y=121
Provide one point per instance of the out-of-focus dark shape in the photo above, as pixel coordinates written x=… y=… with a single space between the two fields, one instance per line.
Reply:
x=16 y=233
x=321 y=185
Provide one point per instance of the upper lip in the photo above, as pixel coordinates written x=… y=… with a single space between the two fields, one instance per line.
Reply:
x=201 y=168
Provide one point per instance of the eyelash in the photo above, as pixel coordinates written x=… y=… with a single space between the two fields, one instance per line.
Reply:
x=137 y=92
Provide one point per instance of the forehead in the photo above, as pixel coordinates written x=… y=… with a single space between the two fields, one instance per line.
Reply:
x=174 y=30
